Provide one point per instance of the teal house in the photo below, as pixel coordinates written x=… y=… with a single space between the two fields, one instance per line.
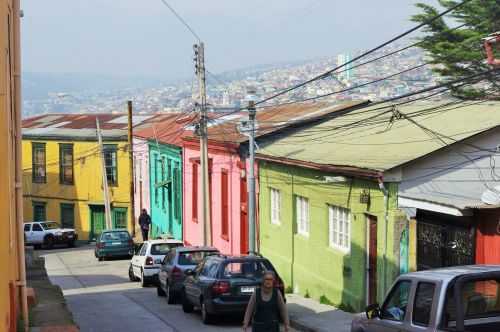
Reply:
x=158 y=174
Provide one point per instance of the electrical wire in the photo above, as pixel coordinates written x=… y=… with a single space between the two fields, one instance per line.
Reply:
x=179 y=17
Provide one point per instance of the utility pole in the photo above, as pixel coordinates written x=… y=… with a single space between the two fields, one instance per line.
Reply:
x=131 y=167
x=199 y=52
x=107 y=207
x=251 y=180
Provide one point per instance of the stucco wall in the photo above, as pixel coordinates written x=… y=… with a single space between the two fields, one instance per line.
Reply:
x=141 y=178
x=309 y=265
x=192 y=230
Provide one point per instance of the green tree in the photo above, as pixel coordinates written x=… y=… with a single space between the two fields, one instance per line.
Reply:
x=458 y=52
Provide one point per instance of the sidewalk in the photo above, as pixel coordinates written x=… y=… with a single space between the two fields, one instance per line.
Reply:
x=311 y=316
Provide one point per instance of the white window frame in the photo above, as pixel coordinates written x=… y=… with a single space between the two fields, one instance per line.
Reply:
x=302 y=215
x=275 y=196
x=339 y=228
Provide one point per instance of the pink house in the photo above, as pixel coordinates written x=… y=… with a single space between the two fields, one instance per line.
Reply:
x=228 y=168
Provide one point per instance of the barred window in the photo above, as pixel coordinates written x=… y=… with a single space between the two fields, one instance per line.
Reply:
x=111 y=162
x=39 y=173
x=66 y=163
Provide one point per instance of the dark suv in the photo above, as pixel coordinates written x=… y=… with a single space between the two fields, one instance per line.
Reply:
x=176 y=262
x=223 y=284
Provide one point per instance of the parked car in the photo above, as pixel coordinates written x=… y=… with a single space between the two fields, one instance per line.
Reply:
x=461 y=298
x=114 y=243
x=223 y=285
x=178 y=260
x=146 y=262
x=48 y=233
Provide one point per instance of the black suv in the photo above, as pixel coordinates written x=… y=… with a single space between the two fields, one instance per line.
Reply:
x=224 y=284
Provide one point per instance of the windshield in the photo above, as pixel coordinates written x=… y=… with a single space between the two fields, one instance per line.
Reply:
x=49 y=225
x=193 y=257
x=163 y=248
x=246 y=269
x=115 y=236
x=480 y=298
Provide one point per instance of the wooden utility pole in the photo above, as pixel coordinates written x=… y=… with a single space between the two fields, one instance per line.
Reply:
x=131 y=167
x=107 y=205
x=199 y=51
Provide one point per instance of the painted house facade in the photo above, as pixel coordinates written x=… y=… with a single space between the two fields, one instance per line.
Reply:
x=158 y=172
x=62 y=166
x=228 y=168
x=409 y=163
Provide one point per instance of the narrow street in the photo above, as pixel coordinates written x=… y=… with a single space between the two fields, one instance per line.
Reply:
x=103 y=299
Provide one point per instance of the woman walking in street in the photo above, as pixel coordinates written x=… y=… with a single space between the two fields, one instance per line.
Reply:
x=265 y=307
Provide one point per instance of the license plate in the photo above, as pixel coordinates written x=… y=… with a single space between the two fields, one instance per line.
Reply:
x=116 y=243
x=70 y=236
x=248 y=290
x=158 y=261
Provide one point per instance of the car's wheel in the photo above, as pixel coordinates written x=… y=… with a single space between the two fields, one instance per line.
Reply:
x=144 y=283
x=186 y=306
x=206 y=317
x=131 y=274
x=160 y=292
x=49 y=242
x=100 y=258
x=170 y=294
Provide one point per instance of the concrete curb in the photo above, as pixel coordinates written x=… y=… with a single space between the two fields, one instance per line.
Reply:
x=300 y=326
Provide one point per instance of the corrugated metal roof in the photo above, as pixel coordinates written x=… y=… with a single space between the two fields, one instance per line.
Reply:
x=368 y=139
x=79 y=126
x=166 y=128
x=227 y=128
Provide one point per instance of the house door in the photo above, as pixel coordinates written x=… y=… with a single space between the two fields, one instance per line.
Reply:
x=372 y=259
x=243 y=217
x=97 y=221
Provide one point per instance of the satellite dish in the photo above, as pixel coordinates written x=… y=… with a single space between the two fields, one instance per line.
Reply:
x=491 y=197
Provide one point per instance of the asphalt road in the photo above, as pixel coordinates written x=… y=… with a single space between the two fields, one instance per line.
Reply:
x=102 y=298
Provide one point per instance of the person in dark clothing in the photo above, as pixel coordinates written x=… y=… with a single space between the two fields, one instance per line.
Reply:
x=265 y=308
x=144 y=222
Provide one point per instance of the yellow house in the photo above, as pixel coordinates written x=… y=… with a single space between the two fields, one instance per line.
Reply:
x=12 y=271
x=63 y=171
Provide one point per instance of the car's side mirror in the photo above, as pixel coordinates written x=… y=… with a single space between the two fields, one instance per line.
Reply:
x=189 y=272
x=372 y=311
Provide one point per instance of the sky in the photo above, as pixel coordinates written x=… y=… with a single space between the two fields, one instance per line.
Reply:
x=143 y=38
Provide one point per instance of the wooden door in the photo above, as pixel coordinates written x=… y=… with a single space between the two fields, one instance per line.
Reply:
x=243 y=216
x=96 y=221
x=372 y=259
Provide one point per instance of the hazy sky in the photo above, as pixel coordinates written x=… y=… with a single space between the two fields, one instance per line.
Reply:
x=141 y=37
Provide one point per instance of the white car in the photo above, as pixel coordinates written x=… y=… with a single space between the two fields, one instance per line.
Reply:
x=48 y=233
x=146 y=263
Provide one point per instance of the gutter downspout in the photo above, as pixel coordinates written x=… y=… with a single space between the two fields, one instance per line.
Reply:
x=21 y=282
x=386 y=228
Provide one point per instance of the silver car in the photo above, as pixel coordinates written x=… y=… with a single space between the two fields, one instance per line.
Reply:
x=461 y=298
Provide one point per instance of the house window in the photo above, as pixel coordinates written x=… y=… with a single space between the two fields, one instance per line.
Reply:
x=225 y=204
x=168 y=187
x=302 y=215
x=275 y=206
x=162 y=181
x=66 y=163
x=39 y=174
x=177 y=190
x=67 y=215
x=194 y=192
x=155 y=177
x=340 y=228
x=120 y=218
x=39 y=211
x=111 y=163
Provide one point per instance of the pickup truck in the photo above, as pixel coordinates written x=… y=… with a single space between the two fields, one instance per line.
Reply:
x=458 y=299
x=48 y=233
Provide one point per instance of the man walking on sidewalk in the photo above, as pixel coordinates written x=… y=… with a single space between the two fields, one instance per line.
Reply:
x=144 y=222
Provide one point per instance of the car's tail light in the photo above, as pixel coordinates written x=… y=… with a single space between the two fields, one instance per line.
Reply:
x=221 y=287
x=100 y=245
x=176 y=272
x=149 y=260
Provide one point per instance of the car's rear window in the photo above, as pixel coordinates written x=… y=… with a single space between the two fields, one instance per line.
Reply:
x=115 y=236
x=163 y=248
x=252 y=269
x=480 y=298
x=193 y=257
x=49 y=225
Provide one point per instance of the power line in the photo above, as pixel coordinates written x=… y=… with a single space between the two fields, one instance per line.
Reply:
x=327 y=73
x=181 y=20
